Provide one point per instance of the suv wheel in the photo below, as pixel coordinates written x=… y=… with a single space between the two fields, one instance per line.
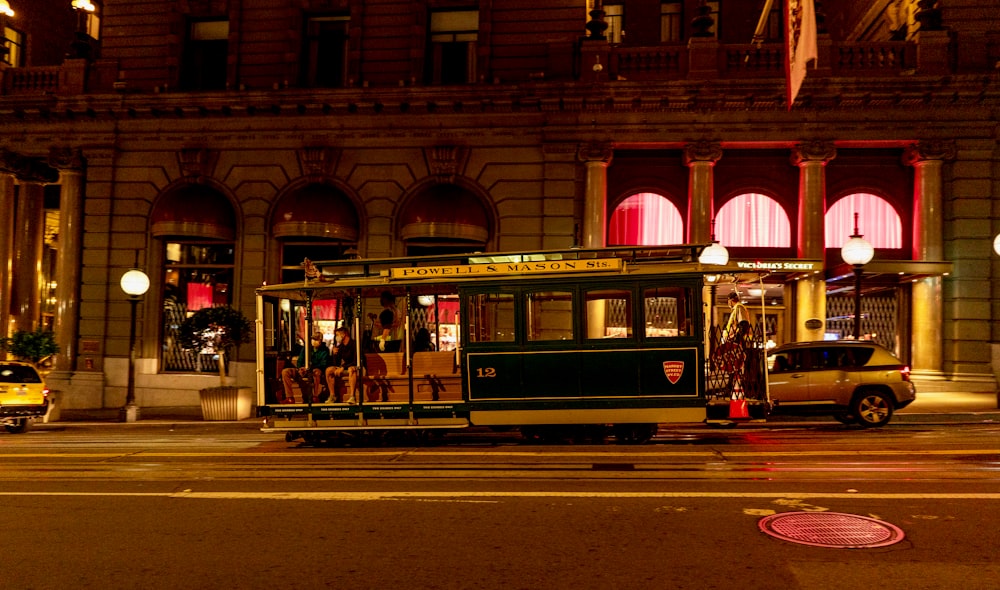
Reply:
x=871 y=408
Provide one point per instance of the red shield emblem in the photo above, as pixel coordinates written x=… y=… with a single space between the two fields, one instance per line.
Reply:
x=673 y=370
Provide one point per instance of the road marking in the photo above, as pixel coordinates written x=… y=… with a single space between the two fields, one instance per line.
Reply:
x=388 y=495
x=533 y=454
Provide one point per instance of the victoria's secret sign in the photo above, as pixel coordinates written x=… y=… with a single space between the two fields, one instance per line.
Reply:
x=781 y=265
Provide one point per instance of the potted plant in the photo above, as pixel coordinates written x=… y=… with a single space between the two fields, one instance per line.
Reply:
x=219 y=329
x=33 y=347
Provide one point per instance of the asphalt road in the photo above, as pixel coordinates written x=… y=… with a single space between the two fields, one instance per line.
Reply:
x=180 y=507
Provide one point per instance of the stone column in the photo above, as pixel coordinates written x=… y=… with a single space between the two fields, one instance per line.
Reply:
x=6 y=249
x=596 y=157
x=927 y=159
x=810 y=301
x=68 y=257
x=29 y=220
x=700 y=158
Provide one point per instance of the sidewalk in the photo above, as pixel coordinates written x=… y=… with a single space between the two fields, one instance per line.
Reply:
x=929 y=408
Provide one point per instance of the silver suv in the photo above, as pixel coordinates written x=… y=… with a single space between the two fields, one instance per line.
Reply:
x=854 y=381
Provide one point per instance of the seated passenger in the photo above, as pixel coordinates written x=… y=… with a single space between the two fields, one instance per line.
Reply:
x=422 y=341
x=343 y=360
x=318 y=360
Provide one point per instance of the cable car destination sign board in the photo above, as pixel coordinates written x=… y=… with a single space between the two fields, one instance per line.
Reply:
x=507 y=268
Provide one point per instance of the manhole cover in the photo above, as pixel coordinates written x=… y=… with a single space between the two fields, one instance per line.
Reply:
x=831 y=529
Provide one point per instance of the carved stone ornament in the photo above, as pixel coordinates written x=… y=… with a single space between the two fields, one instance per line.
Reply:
x=445 y=161
x=596 y=151
x=934 y=149
x=815 y=150
x=198 y=162
x=318 y=161
x=702 y=150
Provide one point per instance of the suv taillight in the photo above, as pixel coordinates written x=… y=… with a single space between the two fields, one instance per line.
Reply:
x=905 y=373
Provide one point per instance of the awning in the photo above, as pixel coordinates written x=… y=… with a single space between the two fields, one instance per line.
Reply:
x=879 y=275
x=316 y=211
x=194 y=211
x=445 y=212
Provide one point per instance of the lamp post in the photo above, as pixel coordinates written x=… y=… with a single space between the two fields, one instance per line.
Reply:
x=857 y=251
x=134 y=283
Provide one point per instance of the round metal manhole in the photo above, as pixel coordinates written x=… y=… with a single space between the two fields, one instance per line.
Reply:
x=830 y=529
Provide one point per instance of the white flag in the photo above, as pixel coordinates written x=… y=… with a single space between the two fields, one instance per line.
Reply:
x=800 y=43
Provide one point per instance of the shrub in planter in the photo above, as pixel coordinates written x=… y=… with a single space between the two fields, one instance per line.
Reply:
x=219 y=328
x=33 y=346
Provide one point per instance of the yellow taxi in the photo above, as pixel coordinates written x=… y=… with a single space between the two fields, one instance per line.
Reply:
x=23 y=395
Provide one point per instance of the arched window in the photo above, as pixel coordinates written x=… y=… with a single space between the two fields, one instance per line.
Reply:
x=877 y=221
x=645 y=219
x=753 y=220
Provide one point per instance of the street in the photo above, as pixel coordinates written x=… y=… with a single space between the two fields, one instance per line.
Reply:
x=192 y=506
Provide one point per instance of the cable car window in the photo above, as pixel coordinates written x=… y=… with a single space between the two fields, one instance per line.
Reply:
x=491 y=317
x=608 y=314
x=550 y=315
x=666 y=312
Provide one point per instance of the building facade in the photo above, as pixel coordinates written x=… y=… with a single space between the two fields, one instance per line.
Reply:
x=216 y=144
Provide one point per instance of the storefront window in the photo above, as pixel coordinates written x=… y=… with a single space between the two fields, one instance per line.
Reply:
x=877 y=221
x=753 y=220
x=645 y=219
x=196 y=275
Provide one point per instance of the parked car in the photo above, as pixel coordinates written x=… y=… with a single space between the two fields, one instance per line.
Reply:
x=857 y=382
x=23 y=395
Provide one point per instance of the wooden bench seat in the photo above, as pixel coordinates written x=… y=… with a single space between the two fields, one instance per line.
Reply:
x=435 y=377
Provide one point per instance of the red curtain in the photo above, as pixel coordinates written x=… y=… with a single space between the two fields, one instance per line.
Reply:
x=878 y=222
x=753 y=220
x=645 y=219
x=198 y=296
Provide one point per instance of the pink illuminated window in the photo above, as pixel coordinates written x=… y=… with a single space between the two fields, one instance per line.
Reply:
x=753 y=220
x=878 y=222
x=645 y=219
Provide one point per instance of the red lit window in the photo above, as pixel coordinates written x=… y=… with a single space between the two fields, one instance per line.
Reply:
x=877 y=221
x=753 y=220
x=646 y=219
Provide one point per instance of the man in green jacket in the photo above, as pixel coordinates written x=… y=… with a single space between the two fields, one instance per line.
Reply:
x=318 y=360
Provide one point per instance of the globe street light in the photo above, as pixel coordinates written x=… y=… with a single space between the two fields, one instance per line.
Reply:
x=716 y=254
x=857 y=252
x=134 y=283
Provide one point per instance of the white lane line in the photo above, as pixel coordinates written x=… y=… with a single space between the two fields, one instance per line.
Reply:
x=489 y=453
x=460 y=494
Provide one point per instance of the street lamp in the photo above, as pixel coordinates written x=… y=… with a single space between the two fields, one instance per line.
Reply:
x=5 y=8
x=716 y=254
x=857 y=252
x=134 y=283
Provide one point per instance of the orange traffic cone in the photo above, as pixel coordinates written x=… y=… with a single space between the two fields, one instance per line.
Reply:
x=738 y=404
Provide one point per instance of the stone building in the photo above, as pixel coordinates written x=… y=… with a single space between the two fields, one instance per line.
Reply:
x=215 y=144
